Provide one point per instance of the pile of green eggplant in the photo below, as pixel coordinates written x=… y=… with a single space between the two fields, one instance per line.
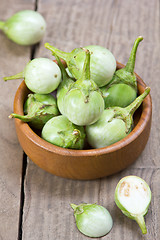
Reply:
x=92 y=102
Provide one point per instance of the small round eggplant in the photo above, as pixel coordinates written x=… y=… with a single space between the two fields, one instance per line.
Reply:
x=39 y=108
x=122 y=89
x=114 y=124
x=63 y=133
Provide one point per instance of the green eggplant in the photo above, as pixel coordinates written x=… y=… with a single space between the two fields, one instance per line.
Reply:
x=63 y=133
x=25 y=27
x=83 y=103
x=102 y=64
x=122 y=90
x=92 y=220
x=114 y=124
x=41 y=75
x=38 y=109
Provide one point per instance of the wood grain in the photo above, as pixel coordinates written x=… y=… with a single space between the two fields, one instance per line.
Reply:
x=73 y=23
x=113 y=24
x=47 y=205
x=12 y=60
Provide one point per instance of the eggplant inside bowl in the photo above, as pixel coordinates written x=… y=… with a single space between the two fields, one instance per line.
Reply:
x=87 y=163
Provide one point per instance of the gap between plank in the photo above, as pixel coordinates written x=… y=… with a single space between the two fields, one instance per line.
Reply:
x=22 y=196
x=24 y=164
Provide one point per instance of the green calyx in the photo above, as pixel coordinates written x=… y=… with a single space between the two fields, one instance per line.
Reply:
x=71 y=58
x=78 y=209
x=70 y=138
x=85 y=84
x=126 y=75
x=38 y=109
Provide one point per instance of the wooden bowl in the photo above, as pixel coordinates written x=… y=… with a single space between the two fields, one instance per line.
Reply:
x=85 y=164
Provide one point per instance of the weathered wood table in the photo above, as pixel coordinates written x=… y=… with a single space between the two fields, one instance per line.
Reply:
x=35 y=205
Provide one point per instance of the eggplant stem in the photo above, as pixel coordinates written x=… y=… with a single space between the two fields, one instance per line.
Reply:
x=131 y=61
x=74 y=206
x=76 y=132
x=2 y=25
x=56 y=51
x=141 y=223
x=137 y=102
x=16 y=76
x=86 y=66
x=24 y=118
x=60 y=64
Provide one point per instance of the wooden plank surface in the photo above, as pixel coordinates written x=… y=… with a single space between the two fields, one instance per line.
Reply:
x=46 y=212
x=12 y=59
x=115 y=25
x=48 y=215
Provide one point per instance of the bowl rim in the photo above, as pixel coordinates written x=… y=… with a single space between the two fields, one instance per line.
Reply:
x=138 y=129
